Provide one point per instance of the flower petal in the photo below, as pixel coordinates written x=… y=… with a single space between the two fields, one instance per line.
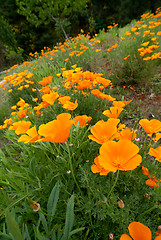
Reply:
x=125 y=237
x=119 y=155
x=139 y=231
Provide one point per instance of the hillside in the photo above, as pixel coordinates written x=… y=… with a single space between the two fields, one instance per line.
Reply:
x=80 y=137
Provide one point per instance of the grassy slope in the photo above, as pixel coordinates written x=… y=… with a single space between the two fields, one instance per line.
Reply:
x=147 y=100
x=146 y=97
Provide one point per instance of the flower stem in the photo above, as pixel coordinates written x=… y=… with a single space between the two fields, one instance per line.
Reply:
x=71 y=167
x=144 y=147
x=147 y=211
x=113 y=185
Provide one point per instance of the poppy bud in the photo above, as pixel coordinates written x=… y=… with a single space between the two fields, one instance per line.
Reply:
x=146 y=195
x=159 y=227
x=34 y=205
x=121 y=203
x=111 y=236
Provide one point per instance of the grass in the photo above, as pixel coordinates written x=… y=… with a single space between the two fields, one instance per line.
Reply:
x=75 y=202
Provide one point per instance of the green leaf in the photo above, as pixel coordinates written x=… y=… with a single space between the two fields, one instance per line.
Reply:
x=75 y=231
x=13 y=227
x=4 y=228
x=32 y=166
x=53 y=235
x=43 y=238
x=26 y=234
x=69 y=218
x=44 y=223
x=5 y=237
x=52 y=201
x=59 y=236
x=14 y=203
x=37 y=234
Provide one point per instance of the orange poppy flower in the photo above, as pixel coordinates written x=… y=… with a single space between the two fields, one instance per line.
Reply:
x=4 y=126
x=21 y=103
x=83 y=120
x=155 y=153
x=138 y=231
x=58 y=74
x=105 y=82
x=126 y=134
x=157 y=137
x=114 y=112
x=150 y=127
x=146 y=58
x=121 y=155
x=96 y=92
x=13 y=113
x=107 y=97
x=20 y=127
x=46 y=80
x=115 y=45
x=31 y=136
x=85 y=84
x=127 y=102
x=70 y=105
x=97 y=168
x=45 y=89
x=145 y=44
x=50 y=98
x=74 y=66
x=151 y=182
x=35 y=99
x=20 y=88
x=145 y=171
x=103 y=131
x=64 y=99
x=125 y=58
x=158 y=238
x=8 y=121
x=101 y=87
x=14 y=107
x=22 y=113
x=56 y=130
x=118 y=104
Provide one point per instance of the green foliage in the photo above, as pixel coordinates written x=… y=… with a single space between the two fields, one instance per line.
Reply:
x=44 y=12
x=5 y=111
x=52 y=202
x=130 y=68
x=6 y=34
x=44 y=229
x=13 y=227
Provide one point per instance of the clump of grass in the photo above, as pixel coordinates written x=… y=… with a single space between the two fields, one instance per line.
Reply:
x=5 y=108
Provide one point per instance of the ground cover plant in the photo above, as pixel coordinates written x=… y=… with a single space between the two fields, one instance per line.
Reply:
x=82 y=159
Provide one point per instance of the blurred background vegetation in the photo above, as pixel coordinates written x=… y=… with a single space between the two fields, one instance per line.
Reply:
x=27 y=26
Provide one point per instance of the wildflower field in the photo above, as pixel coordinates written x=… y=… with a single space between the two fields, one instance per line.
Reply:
x=80 y=138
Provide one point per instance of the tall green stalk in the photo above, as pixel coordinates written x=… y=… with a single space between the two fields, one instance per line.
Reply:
x=71 y=167
x=113 y=185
